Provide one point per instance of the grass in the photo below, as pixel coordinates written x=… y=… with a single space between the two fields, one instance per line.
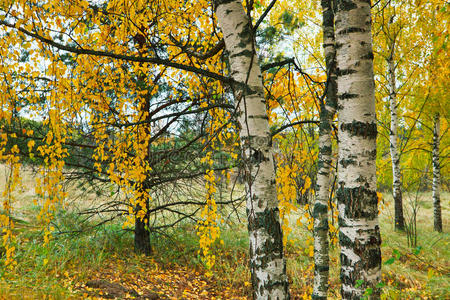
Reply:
x=45 y=270
x=60 y=269
x=417 y=271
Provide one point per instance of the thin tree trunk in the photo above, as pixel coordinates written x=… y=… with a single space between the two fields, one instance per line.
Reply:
x=436 y=176
x=327 y=111
x=267 y=263
x=395 y=155
x=359 y=234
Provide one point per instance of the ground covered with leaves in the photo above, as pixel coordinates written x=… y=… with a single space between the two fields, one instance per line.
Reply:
x=150 y=280
x=114 y=274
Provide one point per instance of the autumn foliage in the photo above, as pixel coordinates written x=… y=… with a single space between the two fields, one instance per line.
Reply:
x=135 y=100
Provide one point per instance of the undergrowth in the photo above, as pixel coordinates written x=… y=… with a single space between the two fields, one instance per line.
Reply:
x=76 y=250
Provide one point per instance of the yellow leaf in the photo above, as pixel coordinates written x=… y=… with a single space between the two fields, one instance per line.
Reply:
x=430 y=273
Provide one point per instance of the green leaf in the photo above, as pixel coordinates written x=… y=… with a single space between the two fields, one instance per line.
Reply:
x=269 y=32
x=390 y=261
x=368 y=292
x=417 y=250
x=359 y=283
x=287 y=18
x=380 y=284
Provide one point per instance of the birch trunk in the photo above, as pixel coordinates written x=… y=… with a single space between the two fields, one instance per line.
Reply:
x=395 y=155
x=267 y=263
x=328 y=109
x=436 y=176
x=359 y=234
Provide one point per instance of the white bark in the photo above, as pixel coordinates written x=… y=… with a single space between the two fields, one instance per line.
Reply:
x=436 y=176
x=328 y=109
x=393 y=139
x=359 y=235
x=267 y=264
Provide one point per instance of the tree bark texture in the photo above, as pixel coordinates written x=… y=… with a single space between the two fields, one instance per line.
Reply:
x=395 y=155
x=267 y=263
x=142 y=243
x=436 y=176
x=142 y=235
x=359 y=233
x=327 y=111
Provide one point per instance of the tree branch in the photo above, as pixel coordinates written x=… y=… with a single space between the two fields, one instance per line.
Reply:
x=277 y=131
x=210 y=53
x=277 y=64
x=152 y=60
x=264 y=15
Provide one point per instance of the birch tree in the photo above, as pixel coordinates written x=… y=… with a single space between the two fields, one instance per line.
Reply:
x=436 y=176
x=267 y=264
x=434 y=25
x=359 y=234
x=327 y=111
x=394 y=149
x=391 y=30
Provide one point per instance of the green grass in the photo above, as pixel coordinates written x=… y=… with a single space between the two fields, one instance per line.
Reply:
x=41 y=268
x=426 y=266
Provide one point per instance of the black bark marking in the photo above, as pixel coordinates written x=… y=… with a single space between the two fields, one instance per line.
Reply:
x=346 y=5
x=362 y=129
x=345 y=162
x=399 y=220
x=343 y=72
x=319 y=209
x=246 y=52
x=370 y=258
x=348 y=96
x=265 y=117
x=258 y=157
x=350 y=30
x=271 y=250
x=368 y=56
x=359 y=202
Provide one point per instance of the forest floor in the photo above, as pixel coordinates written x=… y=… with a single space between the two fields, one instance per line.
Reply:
x=98 y=264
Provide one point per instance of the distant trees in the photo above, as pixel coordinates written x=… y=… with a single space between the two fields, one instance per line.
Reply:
x=396 y=51
x=436 y=175
x=395 y=155
x=409 y=48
